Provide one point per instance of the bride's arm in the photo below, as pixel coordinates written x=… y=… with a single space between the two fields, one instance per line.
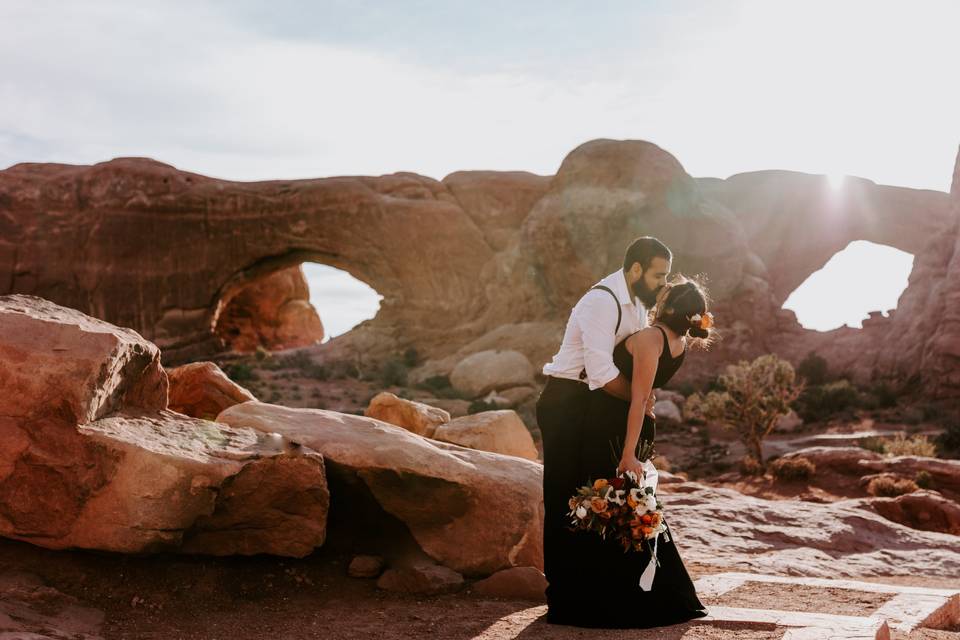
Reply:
x=646 y=353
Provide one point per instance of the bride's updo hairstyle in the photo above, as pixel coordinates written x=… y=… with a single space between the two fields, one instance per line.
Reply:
x=683 y=308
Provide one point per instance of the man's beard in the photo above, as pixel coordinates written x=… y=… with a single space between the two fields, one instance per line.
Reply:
x=647 y=297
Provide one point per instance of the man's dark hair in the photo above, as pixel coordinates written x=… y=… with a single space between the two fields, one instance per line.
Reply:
x=644 y=250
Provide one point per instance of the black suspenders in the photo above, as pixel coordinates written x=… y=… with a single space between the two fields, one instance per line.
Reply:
x=583 y=373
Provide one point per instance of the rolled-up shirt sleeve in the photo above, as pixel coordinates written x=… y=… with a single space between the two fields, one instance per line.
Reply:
x=597 y=317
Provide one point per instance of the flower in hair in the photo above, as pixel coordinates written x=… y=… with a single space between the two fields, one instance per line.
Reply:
x=704 y=322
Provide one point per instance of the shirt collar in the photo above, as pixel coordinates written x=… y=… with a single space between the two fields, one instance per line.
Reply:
x=617 y=281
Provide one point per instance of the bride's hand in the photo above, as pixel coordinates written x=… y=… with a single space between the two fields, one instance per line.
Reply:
x=630 y=463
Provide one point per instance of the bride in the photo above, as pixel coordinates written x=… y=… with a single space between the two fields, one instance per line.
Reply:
x=602 y=584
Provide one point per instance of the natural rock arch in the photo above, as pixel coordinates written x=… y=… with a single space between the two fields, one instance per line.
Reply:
x=482 y=258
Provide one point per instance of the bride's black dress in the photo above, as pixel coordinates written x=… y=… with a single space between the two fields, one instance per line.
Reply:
x=596 y=583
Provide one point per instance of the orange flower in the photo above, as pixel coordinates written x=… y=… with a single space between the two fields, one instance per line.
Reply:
x=598 y=505
x=645 y=519
x=572 y=503
x=600 y=485
x=633 y=503
x=646 y=530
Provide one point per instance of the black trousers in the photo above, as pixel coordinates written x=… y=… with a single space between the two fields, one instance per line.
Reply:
x=561 y=409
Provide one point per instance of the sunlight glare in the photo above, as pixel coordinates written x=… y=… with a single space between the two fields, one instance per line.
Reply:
x=863 y=277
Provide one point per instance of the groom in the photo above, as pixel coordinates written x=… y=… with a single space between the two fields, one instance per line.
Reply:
x=606 y=314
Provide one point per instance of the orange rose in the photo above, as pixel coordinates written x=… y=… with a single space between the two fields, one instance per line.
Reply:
x=633 y=503
x=645 y=519
x=646 y=531
x=598 y=505
x=600 y=485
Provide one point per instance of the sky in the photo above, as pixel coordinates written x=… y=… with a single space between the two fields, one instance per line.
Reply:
x=248 y=90
x=881 y=274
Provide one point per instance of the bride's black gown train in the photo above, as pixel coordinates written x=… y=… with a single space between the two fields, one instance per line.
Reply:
x=592 y=582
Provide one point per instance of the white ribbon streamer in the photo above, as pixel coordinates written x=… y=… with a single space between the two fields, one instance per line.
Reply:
x=650 y=478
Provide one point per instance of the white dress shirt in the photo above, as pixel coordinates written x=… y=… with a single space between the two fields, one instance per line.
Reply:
x=589 y=338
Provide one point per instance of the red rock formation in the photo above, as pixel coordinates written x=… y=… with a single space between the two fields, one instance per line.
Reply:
x=91 y=457
x=273 y=312
x=202 y=390
x=459 y=260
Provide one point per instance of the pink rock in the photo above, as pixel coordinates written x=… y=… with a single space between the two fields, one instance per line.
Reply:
x=520 y=583
x=92 y=458
x=415 y=417
x=203 y=390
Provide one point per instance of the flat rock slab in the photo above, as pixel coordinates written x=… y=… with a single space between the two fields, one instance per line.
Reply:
x=903 y=608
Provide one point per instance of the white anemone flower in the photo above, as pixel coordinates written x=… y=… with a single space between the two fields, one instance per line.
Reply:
x=616 y=497
x=581 y=512
x=650 y=503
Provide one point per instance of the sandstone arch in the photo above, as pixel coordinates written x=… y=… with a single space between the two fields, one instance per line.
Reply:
x=483 y=257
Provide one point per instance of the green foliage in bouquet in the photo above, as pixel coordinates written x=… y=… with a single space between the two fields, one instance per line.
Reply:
x=753 y=396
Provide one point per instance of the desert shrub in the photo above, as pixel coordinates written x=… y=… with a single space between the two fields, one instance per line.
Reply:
x=411 y=358
x=873 y=443
x=440 y=387
x=240 y=372
x=479 y=406
x=918 y=445
x=753 y=398
x=890 y=487
x=813 y=369
x=885 y=396
x=394 y=373
x=819 y=402
x=923 y=479
x=949 y=440
x=750 y=466
x=797 y=468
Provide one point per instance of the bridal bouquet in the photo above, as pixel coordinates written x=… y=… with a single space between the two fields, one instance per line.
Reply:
x=622 y=507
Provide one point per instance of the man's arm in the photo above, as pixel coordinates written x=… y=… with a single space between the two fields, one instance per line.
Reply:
x=597 y=316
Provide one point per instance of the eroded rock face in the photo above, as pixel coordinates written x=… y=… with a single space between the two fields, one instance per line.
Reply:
x=273 y=312
x=499 y=253
x=203 y=390
x=499 y=431
x=92 y=458
x=416 y=417
x=487 y=371
x=838 y=539
x=472 y=511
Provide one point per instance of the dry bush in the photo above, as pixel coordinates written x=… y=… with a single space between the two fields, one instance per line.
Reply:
x=789 y=469
x=753 y=398
x=887 y=486
x=918 y=445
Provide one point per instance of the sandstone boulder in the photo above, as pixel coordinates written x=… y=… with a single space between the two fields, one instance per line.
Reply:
x=421 y=580
x=416 y=417
x=518 y=395
x=203 y=390
x=519 y=583
x=666 y=410
x=472 y=511
x=92 y=458
x=365 y=567
x=927 y=510
x=839 y=539
x=486 y=371
x=272 y=311
x=500 y=431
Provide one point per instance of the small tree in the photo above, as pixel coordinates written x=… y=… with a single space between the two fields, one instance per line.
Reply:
x=753 y=397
